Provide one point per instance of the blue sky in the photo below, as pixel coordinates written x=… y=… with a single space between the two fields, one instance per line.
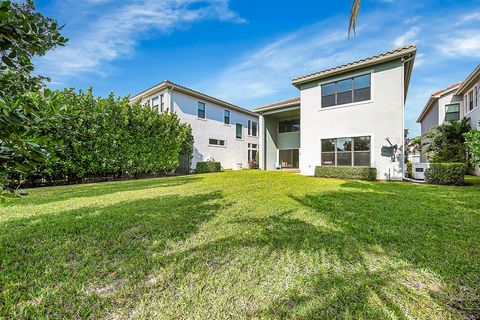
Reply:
x=247 y=51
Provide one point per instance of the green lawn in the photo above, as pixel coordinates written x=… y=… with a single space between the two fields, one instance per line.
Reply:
x=247 y=244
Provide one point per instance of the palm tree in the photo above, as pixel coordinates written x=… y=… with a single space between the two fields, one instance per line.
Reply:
x=353 y=17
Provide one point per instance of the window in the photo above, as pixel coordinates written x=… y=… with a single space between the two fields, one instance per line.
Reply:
x=162 y=103
x=238 y=131
x=346 y=152
x=155 y=104
x=470 y=101
x=252 y=152
x=147 y=103
x=289 y=126
x=452 y=112
x=201 y=110
x=216 y=142
x=252 y=128
x=226 y=117
x=346 y=91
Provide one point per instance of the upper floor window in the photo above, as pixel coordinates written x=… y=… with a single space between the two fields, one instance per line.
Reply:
x=155 y=103
x=452 y=112
x=162 y=103
x=226 y=117
x=252 y=128
x=289 y=125
x=470 y=101
x=147 y=103
x=346 y=152
x=238 y=131
x=201 y=110
x=345 y=91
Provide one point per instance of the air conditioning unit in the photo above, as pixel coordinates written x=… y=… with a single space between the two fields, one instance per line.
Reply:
x=418 y=170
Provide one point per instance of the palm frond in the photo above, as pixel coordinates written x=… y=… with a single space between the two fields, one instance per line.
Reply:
x=353 y=17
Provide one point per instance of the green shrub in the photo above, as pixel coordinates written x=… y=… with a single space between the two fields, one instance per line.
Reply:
x=208 y=166
x=409 y=169
x=360 y=173
x=446 y=173
x=110 y=137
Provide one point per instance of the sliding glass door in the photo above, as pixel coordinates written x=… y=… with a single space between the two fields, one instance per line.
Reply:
x=288 y=158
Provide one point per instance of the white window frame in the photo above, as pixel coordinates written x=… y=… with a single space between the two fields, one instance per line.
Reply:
x=229 y=117
x=250 y=122
x=204 y=110
x=217 y=145
x=236 y=125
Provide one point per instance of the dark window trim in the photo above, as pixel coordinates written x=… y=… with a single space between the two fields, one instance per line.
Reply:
x=352 y=90
x=352 y=152
x=293 y=126
x=457 y=113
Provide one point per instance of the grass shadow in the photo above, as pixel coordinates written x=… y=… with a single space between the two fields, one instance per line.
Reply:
x=69 y=265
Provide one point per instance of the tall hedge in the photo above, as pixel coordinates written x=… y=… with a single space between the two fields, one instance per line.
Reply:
x=446 y=173
x=110 y=137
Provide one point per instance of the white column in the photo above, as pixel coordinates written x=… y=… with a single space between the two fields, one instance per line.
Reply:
x=261 y=142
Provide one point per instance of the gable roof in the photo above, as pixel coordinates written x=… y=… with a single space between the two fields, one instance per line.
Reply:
x=470 y=80
x=167 y=84
x=408 y=52
x=279 y=105
x=434 y=97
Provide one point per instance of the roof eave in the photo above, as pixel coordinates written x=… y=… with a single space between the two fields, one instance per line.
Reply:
x=466 y=84
x=168 y=84
x=299 y=82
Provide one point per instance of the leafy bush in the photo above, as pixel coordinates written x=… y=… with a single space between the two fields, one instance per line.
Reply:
x=472 y=140
x=24 y=34
x=104 y=137
x=446 y=173
x=408 y=172
x=360 y=173
x=208 y=166
x=446 y=143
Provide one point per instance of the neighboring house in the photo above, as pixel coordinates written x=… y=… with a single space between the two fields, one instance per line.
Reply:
x=444 y=105
x=222 y=131
x=452 y=104
x=351 y=115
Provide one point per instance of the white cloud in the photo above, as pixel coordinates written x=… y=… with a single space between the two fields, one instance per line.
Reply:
x=407 y=38
x=469 y=17
x=113 y=34
x=464 y=44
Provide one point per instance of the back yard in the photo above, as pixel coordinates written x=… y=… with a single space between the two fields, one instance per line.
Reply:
x=247 y=244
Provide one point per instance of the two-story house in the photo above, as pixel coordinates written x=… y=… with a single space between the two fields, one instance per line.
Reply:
x=461 y=100
x=222 y=131
x=350 y=115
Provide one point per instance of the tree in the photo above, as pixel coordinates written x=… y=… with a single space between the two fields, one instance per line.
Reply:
x=24 y=33
x=446 y=142
x=353 y=17
x=472 y=140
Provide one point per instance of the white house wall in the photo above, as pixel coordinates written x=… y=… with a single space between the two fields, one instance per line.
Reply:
x=213 y=127
x=430 y=119
x=380 y=118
